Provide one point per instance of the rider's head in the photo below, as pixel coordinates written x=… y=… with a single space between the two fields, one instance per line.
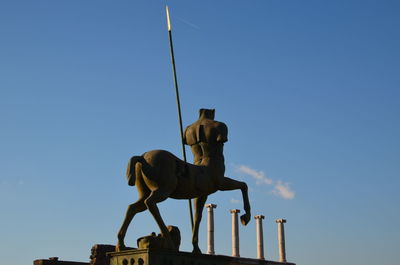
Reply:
x=207 y=113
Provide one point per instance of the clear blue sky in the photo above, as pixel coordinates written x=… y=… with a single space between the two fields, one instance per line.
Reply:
x=309 y=90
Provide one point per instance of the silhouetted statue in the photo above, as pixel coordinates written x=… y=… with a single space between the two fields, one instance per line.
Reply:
x=159 y=175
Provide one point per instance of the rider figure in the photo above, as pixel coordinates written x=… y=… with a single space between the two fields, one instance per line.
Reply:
x=206 y=137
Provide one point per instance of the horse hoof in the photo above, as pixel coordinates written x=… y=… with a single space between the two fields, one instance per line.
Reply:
x=196 y=250
x=120 y=247
x=245 y=219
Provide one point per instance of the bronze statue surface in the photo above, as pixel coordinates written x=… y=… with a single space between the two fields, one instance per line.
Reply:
x=159 y=175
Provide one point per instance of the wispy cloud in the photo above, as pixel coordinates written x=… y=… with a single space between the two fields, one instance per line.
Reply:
x=188 y=23
x=12 y=183
x=258 y=175
x=281 y=189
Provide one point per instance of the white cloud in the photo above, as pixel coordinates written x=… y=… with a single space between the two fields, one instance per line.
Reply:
x=234 y=201
x=258 y=175
x=283 y=190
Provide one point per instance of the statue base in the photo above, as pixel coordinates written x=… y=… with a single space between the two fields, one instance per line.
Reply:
x=165 y=257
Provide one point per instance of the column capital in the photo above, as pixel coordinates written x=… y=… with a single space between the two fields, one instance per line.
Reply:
x=282 y=221
x=259 y=216
x=235 y=211
x=210 y=205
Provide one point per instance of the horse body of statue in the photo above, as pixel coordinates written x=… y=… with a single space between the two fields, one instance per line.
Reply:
x=159 y=175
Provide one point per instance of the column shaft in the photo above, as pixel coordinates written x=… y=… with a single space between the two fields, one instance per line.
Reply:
x=210 y=228
x=260 y=236
x=235 y=233
x=281 y=240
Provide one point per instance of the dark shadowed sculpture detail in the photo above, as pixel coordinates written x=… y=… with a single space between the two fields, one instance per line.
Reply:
x=154 y=241
x=159 y=175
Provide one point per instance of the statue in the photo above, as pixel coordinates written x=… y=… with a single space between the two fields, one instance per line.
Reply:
x=159 y=175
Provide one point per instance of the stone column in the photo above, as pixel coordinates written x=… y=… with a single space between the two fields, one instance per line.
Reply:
x=260 y=236
x=210 y=228
x=281 y=239
x=235 y=233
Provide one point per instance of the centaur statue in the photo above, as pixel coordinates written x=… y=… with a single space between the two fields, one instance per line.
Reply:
x=159 y=175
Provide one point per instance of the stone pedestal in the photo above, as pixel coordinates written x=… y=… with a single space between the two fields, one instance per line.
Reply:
x=52 y=261
x=164 y=257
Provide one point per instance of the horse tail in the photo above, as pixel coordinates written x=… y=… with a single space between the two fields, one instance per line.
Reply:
x=131 y=169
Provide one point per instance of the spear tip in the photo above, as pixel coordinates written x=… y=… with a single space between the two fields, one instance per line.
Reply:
x=168 y=21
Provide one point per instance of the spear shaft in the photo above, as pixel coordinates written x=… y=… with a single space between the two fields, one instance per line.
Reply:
x=178 y=103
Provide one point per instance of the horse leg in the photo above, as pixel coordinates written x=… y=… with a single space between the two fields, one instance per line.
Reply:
x=155 y=197
x=132 y=210
x=231 y=184
x=198 y=207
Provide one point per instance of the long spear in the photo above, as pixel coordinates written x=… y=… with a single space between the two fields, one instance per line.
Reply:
x=171 y=47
